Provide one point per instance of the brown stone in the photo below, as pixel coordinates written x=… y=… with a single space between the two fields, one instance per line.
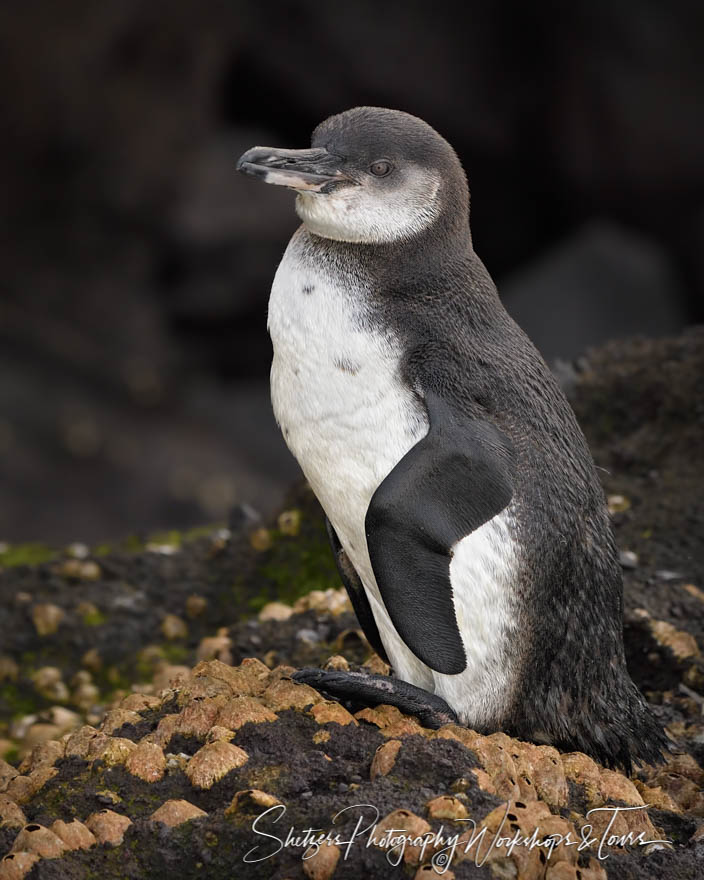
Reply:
x=384 y=758
x=46 y=618
x=329 y=710
x=376 y=665
x=11 y=816
x=337 y=663
x=166 y=728
x=23 y=788
x=247 y=678
x=220 y=734
x=115 y=751
x=582 y=770
x=75 y=834
x=140 y=702
x=657 y=797
x=16 y=866
x=321 y=865
x=288 y=694
x=214 y=761
x=217 y=647
x=176 y=812
x=493 y=756
x=115 y=718
x=447 y=807
x=79 y=742
x=406 y=823
x=198 y=716
x=173 y=627
x=7 y=772
x=681 y=644
x=46 y=754
x=147 y=762
x=276 y=611
x=251 y=800
x=108 y=826
x=241 y=709
x=41 y=841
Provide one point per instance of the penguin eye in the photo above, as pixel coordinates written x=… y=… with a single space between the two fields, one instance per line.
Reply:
x=380 y=168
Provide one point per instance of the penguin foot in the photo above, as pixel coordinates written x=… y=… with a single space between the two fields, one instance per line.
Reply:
x=371 y=690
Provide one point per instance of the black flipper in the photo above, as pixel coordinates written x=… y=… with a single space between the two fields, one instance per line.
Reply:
x=371 y=690
x=355 y=590
x=450 y=483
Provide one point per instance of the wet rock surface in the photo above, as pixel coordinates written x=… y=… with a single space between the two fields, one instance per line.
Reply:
x=169 y=768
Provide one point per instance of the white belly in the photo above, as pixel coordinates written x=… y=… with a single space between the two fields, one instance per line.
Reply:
x=348 y=419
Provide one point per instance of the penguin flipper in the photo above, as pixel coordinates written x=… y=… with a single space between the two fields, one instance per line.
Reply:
x=458 y=477
x=355 y=590
x=371 y=690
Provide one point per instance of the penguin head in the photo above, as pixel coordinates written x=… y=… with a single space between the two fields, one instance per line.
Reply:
x=372 y=176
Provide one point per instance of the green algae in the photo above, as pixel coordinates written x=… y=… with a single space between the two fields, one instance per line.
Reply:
x=25 y=554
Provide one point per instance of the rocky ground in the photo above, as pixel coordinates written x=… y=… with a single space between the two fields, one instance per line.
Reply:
x=147 y=716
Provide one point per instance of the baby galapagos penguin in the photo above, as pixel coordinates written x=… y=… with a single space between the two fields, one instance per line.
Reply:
x=462 y=502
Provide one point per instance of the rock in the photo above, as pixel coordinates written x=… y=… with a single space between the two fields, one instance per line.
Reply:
x=195 y=606
x=45 y=754
x=403 y=821
x=251 y=800
x=16 y=866
x=75 y=834
x=288 y=694
x=22 y=789
x=249 y=678
x=11 y=816
x=115 y=751
x=39 y=840
x=218 y=647
x=384 y=758
x=108 y=826
x=336 y=662
x=446 y=807
x=7 y=772
x=214 y=761
x=329 y=710
x=140 y=702
x=289 y=522
x=275 y=611
x=176 y=812
x=47 y=618
x=240 y=710
x=115 y=718
x=321 y=865
x=48 y=682
x=147 y=762
x=173 y=627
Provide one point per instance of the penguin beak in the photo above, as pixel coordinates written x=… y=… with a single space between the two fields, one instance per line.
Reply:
x=313 y=170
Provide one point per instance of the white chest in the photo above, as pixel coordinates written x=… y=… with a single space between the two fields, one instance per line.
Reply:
x=336 y=391
x=348 y=418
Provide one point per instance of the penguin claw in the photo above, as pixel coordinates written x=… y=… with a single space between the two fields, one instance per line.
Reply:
x=371 y=690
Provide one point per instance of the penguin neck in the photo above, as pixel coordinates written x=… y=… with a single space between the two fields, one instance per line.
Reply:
x=442 y=249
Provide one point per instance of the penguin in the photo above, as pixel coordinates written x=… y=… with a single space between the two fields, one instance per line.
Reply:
x=462 y=503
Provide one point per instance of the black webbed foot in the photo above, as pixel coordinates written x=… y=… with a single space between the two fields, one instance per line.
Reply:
x=371 y=690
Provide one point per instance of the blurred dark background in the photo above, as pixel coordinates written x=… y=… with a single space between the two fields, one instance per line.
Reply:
x=137 y=264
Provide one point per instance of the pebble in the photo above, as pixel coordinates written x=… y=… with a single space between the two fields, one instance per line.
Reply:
x=628 y=559
x=17 y=865
x=108 y=826
x=175 y=812
x=46 y=618
x=41 y=841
